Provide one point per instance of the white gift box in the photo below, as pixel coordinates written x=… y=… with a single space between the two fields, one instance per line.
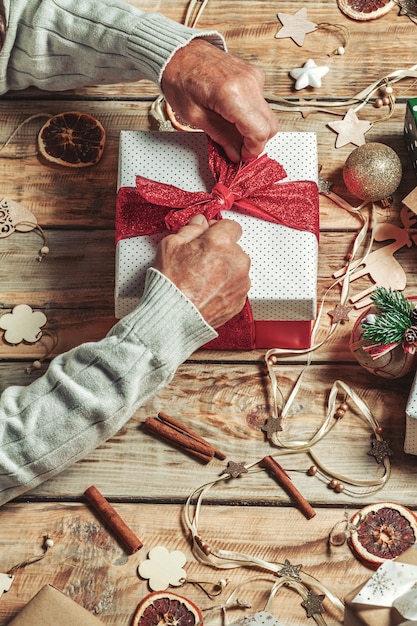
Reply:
x=410 y=443
x=283 y=259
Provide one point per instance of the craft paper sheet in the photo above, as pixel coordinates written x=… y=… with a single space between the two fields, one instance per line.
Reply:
x=284 y=260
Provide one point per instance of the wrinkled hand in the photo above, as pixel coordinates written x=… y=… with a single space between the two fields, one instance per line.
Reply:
x=207 y=264
x=222 y=95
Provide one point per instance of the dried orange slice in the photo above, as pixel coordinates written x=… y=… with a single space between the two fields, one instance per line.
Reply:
x=164 y=608
x=73 y=139
x=384 y=531
x=177 y=122
x=365 y=9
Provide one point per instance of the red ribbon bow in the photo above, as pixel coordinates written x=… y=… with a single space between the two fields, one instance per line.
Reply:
x=251 y=187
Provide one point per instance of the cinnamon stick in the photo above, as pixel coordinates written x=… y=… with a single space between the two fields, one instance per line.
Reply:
x=176 y=424
x=113 y=520
x=202 y=451
x=286 y=483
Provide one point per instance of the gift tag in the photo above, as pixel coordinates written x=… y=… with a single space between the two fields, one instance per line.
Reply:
x=5 y=583
x=14 y=216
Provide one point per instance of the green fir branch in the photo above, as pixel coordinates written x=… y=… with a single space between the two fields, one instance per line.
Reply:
x=393 y=319
x=386 y=300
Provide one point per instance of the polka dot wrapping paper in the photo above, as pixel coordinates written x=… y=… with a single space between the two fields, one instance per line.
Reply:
x=283 y=295
x=410 y=443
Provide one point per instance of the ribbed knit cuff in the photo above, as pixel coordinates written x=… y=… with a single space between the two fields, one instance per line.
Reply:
x=156 y=39
x=167 y=322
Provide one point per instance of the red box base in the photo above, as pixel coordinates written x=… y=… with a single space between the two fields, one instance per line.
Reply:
x=291 y=335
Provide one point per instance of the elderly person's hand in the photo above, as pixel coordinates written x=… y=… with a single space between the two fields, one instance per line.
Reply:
x=222 y=95
x=207 y=264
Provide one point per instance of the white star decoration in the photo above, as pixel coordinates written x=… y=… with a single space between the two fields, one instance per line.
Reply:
x=309 y=75
x=350 y=129
x=295 y=26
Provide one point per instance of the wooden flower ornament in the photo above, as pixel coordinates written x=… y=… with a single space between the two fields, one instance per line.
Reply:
x=22 y=324
x=163 y=568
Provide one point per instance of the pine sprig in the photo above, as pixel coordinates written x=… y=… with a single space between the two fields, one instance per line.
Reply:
x=387 y=300
x=393 y=319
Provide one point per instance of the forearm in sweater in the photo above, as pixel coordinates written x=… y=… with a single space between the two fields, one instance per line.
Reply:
x=65 y=44
x=88 y=393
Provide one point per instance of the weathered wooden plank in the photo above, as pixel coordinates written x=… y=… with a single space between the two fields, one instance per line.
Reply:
x=75 y=198
x=250 y=29
x=91 y=567
x=74 y=286
x=228 y=404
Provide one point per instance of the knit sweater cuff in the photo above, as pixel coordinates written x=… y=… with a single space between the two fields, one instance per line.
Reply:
x=167 y=322
x=156 y=39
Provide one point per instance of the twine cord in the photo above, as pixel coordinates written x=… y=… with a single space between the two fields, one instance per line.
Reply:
x=48 y=543
x=228 y=559
x=14 y=133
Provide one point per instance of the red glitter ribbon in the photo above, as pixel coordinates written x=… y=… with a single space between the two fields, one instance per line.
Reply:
x=153 y=207
x=251 y=187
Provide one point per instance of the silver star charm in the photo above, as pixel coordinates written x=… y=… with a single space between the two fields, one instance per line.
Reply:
x=309 y=75
x=292 y=571
x=324 y=186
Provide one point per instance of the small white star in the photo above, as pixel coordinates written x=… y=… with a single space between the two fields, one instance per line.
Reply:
x=295 y=26
x=350 y=130
x=309 y=75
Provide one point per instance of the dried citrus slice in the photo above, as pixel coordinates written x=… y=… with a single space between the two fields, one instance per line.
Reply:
x=384 y=531
x=164 y=608
x=365 y=9
x=73 y=139
x=177 y=122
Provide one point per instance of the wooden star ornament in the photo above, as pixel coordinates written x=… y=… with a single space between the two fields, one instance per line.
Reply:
x=340 y=313
x=350 y=130
x=313 y=603
x=379 y=450
x=295 y=26
x=235 y=469
x=271 y=426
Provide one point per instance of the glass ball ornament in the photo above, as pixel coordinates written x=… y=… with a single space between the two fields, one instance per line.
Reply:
x=372 y=172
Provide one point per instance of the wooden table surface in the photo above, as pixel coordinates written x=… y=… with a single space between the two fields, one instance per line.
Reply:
x=222 y=395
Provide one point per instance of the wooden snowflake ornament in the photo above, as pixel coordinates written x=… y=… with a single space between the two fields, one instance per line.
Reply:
x=15 y=217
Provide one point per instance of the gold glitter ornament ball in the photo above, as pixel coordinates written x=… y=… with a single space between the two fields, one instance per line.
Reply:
x=372 y=172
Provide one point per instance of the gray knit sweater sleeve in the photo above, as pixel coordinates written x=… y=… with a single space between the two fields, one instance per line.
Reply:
x=65 y=44
x=60 y=417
